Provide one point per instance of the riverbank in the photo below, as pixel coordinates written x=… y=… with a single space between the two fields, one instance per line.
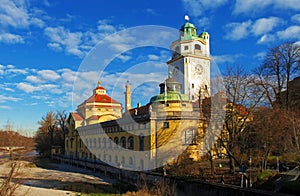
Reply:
x=46 y=177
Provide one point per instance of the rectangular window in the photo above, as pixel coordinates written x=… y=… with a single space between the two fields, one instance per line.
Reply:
x=186 y=47
x=189 y=137
x=166 y=125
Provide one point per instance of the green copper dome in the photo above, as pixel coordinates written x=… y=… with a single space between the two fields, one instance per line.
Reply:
x=169 y=96
x=170 y=90
x=188 y=25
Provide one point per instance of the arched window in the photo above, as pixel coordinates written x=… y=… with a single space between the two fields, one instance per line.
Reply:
x=109 y=158
x=116 y=159
x=130 y=161
x=104 y=142
x=141 y=142
x=110 y=143
x=197 y=47
x=91 y=143
x=189 y=136
x=95 y=142
x=99 y=142
x=130 y=143
x=123 y=142
x=123 y=160
x=116 y=140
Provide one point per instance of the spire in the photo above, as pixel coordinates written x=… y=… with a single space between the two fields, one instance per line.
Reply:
x=127 y=96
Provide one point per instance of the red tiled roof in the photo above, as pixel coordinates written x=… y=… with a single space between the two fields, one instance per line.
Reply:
x=140 y=110
x=76 y=116
x=101 y=99
x=99 y=88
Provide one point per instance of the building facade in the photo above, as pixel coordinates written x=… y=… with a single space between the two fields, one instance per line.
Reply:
x=190 y=63
x=148 y=136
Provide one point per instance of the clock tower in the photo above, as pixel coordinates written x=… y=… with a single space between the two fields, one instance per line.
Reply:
x=190 y=63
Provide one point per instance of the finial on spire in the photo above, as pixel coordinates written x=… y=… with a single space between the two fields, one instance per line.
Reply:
x=99 y=82
x=187 y=18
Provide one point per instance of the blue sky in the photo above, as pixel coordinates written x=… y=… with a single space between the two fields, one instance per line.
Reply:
x=44 y=44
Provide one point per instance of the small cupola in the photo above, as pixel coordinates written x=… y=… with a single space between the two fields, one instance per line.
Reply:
x=188 y=30
x=99 y=90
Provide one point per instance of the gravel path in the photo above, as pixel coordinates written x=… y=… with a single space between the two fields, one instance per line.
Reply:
x=38 y=181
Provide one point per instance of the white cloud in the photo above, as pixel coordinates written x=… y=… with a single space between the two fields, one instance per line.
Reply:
x=265 y=25
x=55 y=46
x=63 y=38
x=153 y=57
x=28 y=88
x=197 y=8
x=291 y=32
x=4 y=87
x=68 y=75
x=203 y=22
x=48 y=75
x=18 y=14
x=10 y=66
x=104 y=26
x=260 y=56
x=4 y=107
x=14 y=13
x=17 y=71
x=11 y=38
x=226 y=58
x=4 y=98
x=268 y=38
x=79 y=43
x=124 y=58
x=255 y=6
x=296 y=18
x=34 y=79
x=237 y=31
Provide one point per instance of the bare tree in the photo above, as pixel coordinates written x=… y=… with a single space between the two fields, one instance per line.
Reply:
x=271 y=133
x=280 y=65
x=243 y=96
x=61 y=117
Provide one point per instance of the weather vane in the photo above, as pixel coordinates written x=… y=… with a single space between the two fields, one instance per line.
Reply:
x=187 y=18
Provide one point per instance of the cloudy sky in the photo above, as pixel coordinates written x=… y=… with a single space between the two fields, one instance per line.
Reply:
x=47 y=48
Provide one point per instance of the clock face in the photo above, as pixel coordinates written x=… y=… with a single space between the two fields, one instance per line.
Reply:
x=198 y=69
